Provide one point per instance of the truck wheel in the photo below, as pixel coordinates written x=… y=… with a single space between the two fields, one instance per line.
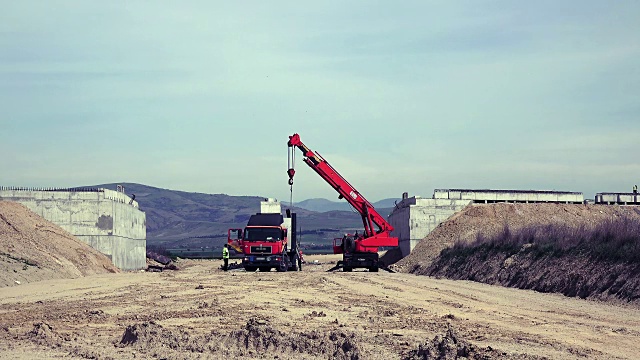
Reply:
x=265 y=269
x=250 y=268
x=292 y=265
x=347 y=269
x=373 y=269
x=282 y=267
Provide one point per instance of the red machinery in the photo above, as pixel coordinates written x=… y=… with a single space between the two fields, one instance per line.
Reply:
x=269 y=241
x=359 y=251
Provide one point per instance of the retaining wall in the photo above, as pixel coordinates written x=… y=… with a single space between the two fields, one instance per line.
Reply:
x=107 y=220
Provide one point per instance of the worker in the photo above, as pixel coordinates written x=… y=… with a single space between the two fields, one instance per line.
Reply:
x=635 y=189
x=225 y=257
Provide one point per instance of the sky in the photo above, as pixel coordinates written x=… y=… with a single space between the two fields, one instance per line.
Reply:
x=409 y=96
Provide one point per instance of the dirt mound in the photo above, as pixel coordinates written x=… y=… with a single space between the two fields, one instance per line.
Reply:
x=152 y=334
x=528 y=267
x=450 y=346
x=490 y=219
x=43 y=334
x=34 y=249
x=260 y=337
x=257 y=338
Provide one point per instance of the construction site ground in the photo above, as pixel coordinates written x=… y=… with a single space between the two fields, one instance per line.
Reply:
x=200 y=311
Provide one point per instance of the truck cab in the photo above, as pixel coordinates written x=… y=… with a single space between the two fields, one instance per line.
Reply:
x=268 y=241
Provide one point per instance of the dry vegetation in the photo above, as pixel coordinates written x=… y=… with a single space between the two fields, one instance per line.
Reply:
x=614 y=240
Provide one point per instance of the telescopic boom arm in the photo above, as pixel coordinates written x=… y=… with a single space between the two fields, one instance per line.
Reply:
x=370 y=240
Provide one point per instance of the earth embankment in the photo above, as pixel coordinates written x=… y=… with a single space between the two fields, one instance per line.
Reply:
x=577 y=270
x=34 y=249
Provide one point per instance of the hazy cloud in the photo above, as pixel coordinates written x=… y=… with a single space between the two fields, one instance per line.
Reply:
x=201 y=96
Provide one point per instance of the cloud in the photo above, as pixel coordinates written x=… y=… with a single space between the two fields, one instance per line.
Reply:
x=201 y=96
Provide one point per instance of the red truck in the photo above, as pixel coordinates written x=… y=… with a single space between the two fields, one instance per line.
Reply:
x=269 y=241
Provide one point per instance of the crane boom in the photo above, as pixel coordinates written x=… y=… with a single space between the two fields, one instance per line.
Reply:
x=371 y=239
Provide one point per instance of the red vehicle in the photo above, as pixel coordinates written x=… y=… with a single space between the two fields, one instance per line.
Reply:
x=268 y=242
x=359 y=251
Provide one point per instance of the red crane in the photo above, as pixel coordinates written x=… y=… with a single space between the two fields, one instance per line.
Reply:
x=359 y=251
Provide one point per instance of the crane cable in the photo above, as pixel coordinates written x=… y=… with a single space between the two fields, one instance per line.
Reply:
x=291 y=162
x=291 y=196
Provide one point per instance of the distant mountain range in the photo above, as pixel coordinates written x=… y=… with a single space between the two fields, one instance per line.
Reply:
x=186 y=219
x=322 y=205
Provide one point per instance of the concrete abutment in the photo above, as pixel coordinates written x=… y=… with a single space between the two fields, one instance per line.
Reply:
x=109 y=221
x=415 y=217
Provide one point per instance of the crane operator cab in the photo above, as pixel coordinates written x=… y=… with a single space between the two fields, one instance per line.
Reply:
x=352 y=258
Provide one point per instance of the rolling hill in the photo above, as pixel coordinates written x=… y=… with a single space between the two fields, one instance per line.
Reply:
x=323 y=205
x=186 y=219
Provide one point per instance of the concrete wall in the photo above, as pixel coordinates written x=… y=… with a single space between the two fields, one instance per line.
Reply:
x=512 y=196
x=617 y=198
x=414 y=218
x=107 y=220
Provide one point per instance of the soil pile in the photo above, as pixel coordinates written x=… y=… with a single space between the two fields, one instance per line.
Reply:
x=256 y=339
x=34 y=249
x=43 y=334
x=146 y=335
x=571 y=274
x=451 y=346
x=490 y=219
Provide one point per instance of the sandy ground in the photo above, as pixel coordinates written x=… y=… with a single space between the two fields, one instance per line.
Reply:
x=390 y=313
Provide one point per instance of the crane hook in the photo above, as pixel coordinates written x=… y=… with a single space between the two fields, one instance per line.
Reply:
x=291 y=172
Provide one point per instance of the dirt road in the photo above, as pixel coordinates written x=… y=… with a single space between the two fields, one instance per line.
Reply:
x=202 y=312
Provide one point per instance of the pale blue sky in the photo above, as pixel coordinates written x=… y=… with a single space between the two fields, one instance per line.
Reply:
x=398 y=96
